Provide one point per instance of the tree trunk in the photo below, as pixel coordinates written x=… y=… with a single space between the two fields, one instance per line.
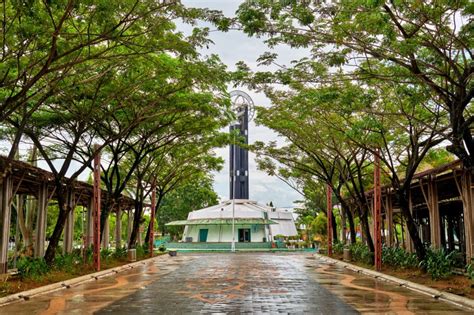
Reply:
x=137 y=216
x=352 y=230
x=411 y=226
x=462 y=143
x=60 y=222
x=64 y=193
x=334 y=228
x=364 y=219
x=148 y=231
x=109 y=205
x=349 y=216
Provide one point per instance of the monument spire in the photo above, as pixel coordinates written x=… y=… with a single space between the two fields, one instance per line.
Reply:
x=242 y=106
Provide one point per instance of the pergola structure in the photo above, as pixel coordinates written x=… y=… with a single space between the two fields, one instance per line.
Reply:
x=20 y=178
x=442 y=204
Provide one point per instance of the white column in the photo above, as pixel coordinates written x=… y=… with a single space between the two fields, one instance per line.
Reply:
x=69 y=232
x=106 y=235
x=90 y=224
x=118 y=229
x=468 y=213
x=40 y=235
x=6 y=192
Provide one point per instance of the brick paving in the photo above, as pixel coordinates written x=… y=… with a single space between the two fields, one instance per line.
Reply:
x=234 y=283
x=267 y=283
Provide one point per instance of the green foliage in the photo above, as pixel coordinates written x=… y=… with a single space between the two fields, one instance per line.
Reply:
x=360 y=252
x=105 y=254
x=279 y=237
x=398 y=257
x=470 y=271
x=438 y=263
x=120 y=253
x=142 y=250
x=319 y=225
x=162 y=248
x=68 y=262
x=338 y=247
x=34 y=268
x=195 y=194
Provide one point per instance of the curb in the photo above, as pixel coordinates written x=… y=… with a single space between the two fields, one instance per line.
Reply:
x=67 y=284
x=436 y=294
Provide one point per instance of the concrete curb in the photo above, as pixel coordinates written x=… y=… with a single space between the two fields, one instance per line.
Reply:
x=67 y=284
x=436 y=294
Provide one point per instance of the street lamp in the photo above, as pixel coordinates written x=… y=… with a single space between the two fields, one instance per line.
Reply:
x=234 y=180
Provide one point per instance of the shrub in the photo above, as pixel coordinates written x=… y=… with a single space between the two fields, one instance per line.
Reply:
x=438 y=263
x=338 y=247
x=33 y=268
x=105 y=254
x=67 y=262
x=120 y=253
x=142 y=250
x=398 y=257
x=470 y=273
x=361 y=252
x=162 y=248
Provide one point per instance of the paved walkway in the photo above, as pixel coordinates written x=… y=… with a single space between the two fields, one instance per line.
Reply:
x=234 y=283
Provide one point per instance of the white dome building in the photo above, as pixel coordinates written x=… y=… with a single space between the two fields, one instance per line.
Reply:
x=253 y=223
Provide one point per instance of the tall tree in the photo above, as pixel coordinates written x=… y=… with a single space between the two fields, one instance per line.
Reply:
x=428 y=43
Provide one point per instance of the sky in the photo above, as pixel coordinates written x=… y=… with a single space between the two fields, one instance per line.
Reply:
x=234 y=46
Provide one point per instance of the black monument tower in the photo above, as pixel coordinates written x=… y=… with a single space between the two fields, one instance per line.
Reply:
x=242 y=105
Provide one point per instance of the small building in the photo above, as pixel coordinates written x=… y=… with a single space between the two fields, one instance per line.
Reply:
x=253 y=223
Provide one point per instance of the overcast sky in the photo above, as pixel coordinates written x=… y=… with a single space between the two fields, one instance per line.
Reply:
x=232 y=47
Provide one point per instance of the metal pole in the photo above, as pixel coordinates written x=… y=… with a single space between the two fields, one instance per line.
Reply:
x=233 y=194
x=377 y=212
x=152 y=218
x=329 y=215
x=96 y=196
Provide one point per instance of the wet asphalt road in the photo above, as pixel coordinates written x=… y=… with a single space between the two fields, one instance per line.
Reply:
x=235 y=283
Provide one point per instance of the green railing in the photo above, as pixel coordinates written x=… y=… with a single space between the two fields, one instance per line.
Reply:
x=219 y=246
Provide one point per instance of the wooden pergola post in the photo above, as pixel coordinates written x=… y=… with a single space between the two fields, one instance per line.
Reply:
x=89 y=238
x=430 y=195
x=129 y=225
x=329 y=217
x=409 y=243
x=467 y=196
x=40 y=235
x=6 y=196
x=389 y=217
x=118 y=228
x=106 y=234
x=69 y=228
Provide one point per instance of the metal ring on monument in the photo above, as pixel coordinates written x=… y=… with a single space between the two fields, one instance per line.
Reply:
x=241 y=101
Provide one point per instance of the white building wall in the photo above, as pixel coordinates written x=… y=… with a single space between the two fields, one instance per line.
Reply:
x=223 y=233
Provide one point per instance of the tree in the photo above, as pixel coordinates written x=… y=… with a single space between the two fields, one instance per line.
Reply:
x=427 y=43
x=46 y=45
x=179 y=111
x=196 y=193
x=92 y=73
x=184 y=164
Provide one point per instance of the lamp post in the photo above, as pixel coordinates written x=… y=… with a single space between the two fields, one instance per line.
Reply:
x=377 y=212
x=97 y=204
x=329 y=217
x=234 y=180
